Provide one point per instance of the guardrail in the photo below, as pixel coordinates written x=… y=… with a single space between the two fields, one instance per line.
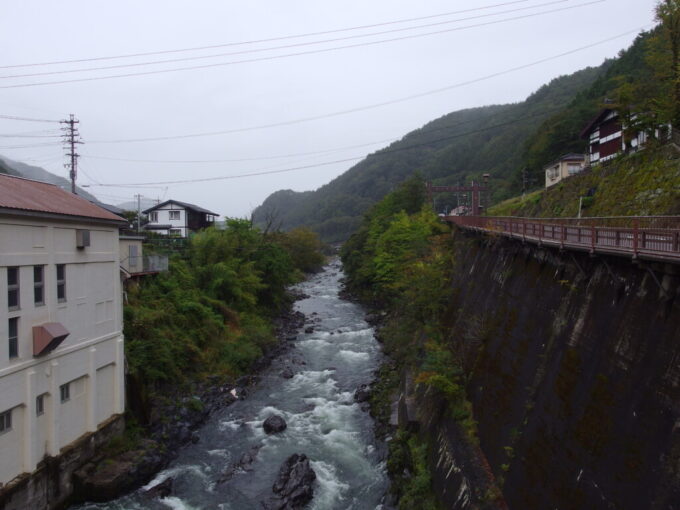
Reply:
x=648 y=237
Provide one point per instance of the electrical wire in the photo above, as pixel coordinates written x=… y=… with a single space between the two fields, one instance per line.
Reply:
x=26 y=119
x=288 y=55
x=325 y=163
x=365 y=107
x=258 y=41
x=288 y=46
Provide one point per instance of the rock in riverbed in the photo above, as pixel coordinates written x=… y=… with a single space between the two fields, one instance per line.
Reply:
x=162 y=490
x=274 y=424
x=293 y=485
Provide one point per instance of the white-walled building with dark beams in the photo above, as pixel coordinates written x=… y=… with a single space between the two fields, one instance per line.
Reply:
x=61 y=340
x=179 y=219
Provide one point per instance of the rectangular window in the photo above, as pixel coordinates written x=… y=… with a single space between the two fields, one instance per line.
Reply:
x=61 y=282
x=175 y=232
x=133 y=255
x=174 y=215
x=153 y=217
x=65 y=392
x=13 y=337
x=13 y=288
x=39 y=285
x=5 y=421
x=39 y=405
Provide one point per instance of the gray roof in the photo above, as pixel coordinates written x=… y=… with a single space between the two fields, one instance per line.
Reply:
x=183 y=204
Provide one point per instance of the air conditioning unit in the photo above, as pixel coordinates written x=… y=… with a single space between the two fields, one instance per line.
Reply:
x=82 y=238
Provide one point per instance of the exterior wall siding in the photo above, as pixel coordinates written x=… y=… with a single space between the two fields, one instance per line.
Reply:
x=90 y=359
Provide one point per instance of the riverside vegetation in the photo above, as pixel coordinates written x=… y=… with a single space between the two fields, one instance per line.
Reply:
x=399 y=262
x=212 y=314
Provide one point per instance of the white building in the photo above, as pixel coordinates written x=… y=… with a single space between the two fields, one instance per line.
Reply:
x=178 y=219
x=61 y=341
x=564 y=167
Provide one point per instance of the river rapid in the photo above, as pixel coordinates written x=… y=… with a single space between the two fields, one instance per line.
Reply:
x=324 y=422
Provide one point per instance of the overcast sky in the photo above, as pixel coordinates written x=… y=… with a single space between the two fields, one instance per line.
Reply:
x=302 y=81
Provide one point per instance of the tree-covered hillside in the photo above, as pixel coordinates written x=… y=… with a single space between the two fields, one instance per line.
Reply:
x=500 y=140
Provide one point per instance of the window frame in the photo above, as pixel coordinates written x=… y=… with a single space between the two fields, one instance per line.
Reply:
x=39 y=285
x=14 y=287
x=174 y=213
x=40 y=405
x=13 y=339
x=61 y=283
x=153 y=217
x=65 y=392
x=5 y=421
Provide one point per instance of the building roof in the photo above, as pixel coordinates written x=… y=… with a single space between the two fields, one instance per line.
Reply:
x=37 y=197
x=572 y=156
x=595 y=122
x=182 y=204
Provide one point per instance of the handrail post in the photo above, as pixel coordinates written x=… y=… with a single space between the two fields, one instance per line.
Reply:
x=676 y=241
x=593 y=233
x=635 y=238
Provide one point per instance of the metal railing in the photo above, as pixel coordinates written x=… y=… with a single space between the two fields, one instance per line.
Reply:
x=145 y=264
x=649 y=237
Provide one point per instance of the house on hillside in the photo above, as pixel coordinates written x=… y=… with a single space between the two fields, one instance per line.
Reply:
x=606 y=136
x=566 y=166
x=61 y=339
x=175 y=218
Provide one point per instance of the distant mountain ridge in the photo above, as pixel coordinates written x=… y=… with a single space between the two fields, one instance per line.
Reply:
x=500 y=140
x=40 y=174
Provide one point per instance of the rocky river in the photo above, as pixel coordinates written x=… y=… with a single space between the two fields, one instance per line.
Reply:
x=235 y=463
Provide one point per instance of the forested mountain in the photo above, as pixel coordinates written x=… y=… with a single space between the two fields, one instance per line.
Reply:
x=500 y=140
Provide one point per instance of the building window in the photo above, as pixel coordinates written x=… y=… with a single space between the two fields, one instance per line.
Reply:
x=133 y=255
x=175 y=232
x=13 y=288
x=13 y=337
x=5 y=421
x=574 y=169
x=39 y=405
x=39 y=285
x=174 y=215
x=65 y=392
x=61 y=282
x=153 y=217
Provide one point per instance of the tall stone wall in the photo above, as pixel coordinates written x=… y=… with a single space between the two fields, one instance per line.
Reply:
x=574 y=366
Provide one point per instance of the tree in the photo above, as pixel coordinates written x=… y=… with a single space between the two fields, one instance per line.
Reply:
x=664 y=57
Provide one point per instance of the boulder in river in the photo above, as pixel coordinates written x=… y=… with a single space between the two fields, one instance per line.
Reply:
x=162 y=490
x=293 y=486
x=274 y=424
x=245 y=463
x=287 y=373
x=309 y=330
x=363 y=393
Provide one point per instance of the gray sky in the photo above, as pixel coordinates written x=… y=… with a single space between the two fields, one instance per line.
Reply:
x=233 y=96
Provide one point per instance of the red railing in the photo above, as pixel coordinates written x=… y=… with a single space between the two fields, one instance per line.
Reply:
x=649 y=237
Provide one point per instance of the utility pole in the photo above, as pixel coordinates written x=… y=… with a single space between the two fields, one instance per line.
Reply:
x=139 y=212
x=71 y=139
x=524 y=181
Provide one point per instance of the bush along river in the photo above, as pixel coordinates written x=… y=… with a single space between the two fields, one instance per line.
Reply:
x=298 y=433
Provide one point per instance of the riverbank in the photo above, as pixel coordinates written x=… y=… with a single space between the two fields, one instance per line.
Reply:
x=133 y=459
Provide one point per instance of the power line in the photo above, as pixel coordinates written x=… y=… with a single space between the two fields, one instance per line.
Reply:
x=287 y=46
x=26 y=119
x=367 y=107
x=241 y=160
x=288 y=55
x=258 y=41
x=325 y=163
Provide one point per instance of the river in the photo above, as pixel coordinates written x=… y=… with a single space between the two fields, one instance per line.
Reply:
x=317 y=403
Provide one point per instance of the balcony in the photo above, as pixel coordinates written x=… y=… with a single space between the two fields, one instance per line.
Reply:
x=145 y=264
